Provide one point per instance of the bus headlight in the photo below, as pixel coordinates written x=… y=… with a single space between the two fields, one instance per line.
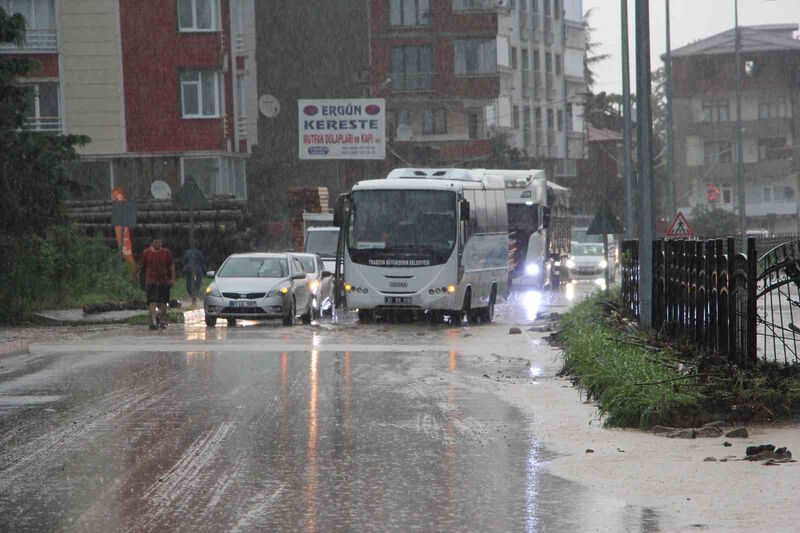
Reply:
x=532 y=269
x=603 y=263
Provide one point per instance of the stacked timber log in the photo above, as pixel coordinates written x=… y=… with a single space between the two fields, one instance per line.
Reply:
x=219 y=227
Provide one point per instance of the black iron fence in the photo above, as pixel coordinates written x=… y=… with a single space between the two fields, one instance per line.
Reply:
x=703 y=291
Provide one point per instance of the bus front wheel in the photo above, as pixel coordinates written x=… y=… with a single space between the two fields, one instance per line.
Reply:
x=366 y=316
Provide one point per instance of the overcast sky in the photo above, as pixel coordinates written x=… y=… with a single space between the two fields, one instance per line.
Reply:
x=691 y=20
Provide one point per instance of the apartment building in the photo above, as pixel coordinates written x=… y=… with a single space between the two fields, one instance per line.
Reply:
x=705 y=124
x=459 y=74
x=165 y=90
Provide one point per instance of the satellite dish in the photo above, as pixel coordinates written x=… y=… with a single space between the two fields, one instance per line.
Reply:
x=404 y=132
x=269 y=106
x=160 y=190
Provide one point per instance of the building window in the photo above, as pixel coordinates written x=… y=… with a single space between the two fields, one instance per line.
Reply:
x=727 y=194
x=412 y=68
x=716 y=110
x=474 y=56
x=42 y=109
x=200 y=93
x=546 y=8
x=538 y=118
x=537 y=62
x=217 y=176
x=772 y=107
x=473 y=124
x=514 y=57
x=40 y=24
x=560 y=120
x=198 y=15
x=570 y=126
x=773 y=149
x=717 y=152
x=515 y=118
x=434 y=122
x=556 y=9
x=526 y=123
x=548 y=62
x=766 y=194
x=526 y=65
x=410 y=13
x=558 y=64
x=550 y=124
x=467 y=5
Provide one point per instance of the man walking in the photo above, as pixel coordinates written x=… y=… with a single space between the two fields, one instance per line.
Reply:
x=195 y=265
x=159 y=276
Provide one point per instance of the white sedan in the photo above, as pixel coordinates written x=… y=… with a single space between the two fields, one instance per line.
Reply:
x=587 y=260
x=320 y=281
x=259 y=286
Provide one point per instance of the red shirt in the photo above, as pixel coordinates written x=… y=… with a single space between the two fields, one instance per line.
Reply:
x=156 y=265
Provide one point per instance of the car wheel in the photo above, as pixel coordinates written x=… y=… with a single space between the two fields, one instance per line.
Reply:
x=288 y=318
x=231 y=322
x=211 y=321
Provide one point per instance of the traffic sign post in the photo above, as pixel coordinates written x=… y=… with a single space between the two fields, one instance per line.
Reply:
x=680 y=228
x=605 y=222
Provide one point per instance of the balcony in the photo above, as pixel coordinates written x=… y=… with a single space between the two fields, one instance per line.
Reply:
x=36 y=41
x=460 y=6
x=416 y=82
x=43 y=124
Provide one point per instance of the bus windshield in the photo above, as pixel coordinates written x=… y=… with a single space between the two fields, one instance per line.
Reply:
x=404 y=223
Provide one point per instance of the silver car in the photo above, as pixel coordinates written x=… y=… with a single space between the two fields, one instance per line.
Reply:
x=259 y=286
x=320 y=281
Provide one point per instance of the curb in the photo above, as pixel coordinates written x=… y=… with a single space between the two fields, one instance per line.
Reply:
x=13 y=347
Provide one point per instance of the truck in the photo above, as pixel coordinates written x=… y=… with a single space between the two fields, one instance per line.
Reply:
x=425 y=240
x=539 y=226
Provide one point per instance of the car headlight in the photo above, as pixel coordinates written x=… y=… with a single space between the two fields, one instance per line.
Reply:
x=212 y=290
x=603 y=263
x=532 y=269
x=313 y=285
x=280 y=291
x=570 y=263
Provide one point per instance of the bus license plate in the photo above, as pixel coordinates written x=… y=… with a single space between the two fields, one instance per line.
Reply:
x=397 y=300
x=243 y=303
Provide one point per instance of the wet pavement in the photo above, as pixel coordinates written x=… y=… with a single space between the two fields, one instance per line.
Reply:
x=330 y=427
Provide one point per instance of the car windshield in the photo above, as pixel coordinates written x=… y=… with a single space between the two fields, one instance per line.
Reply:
x=322 y=243
x=403 y=220
x=587 y=249
x=580 y=235
x=254 y=267
x=308 y=263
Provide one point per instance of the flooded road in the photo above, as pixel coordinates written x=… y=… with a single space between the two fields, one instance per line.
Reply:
x=331 y=427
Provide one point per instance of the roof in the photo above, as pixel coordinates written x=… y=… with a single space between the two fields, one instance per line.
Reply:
x=602 y=135
x=764 y=38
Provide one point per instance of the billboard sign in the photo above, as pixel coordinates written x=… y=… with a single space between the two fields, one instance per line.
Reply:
x=342 y=129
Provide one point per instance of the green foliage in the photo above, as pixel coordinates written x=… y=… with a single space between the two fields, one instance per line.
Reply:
x=64 y=268
x=623 y=378
x=713 y=222
x=33 y=177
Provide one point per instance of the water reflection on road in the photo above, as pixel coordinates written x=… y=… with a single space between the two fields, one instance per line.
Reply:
x=188 y=435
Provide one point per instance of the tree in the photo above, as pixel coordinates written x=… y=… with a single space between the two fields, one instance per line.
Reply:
x=713 y=222
x=590 y=57
x=33 y=166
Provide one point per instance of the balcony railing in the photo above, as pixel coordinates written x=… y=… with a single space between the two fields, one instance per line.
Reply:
x=238 y=44
x=481 y=5
x=43 y=124
x=422 y=81
x=241 y=126
x=35 y=41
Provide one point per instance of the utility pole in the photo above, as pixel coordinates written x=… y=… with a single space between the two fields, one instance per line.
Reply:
x=627 y=173
x=670 y=181
x=644 y=125
x=739 y=141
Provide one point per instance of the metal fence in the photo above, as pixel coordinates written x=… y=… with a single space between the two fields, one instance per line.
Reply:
x=703 y=292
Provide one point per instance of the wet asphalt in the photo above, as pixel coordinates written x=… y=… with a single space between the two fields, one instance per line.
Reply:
x=331 y=427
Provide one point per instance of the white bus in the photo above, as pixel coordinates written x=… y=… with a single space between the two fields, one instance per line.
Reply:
x=425 y=240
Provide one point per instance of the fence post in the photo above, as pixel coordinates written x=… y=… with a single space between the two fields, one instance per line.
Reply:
x=722 y=322
x=699 y=301
x=711 y=267
x=731 y=330
x=752 y=296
